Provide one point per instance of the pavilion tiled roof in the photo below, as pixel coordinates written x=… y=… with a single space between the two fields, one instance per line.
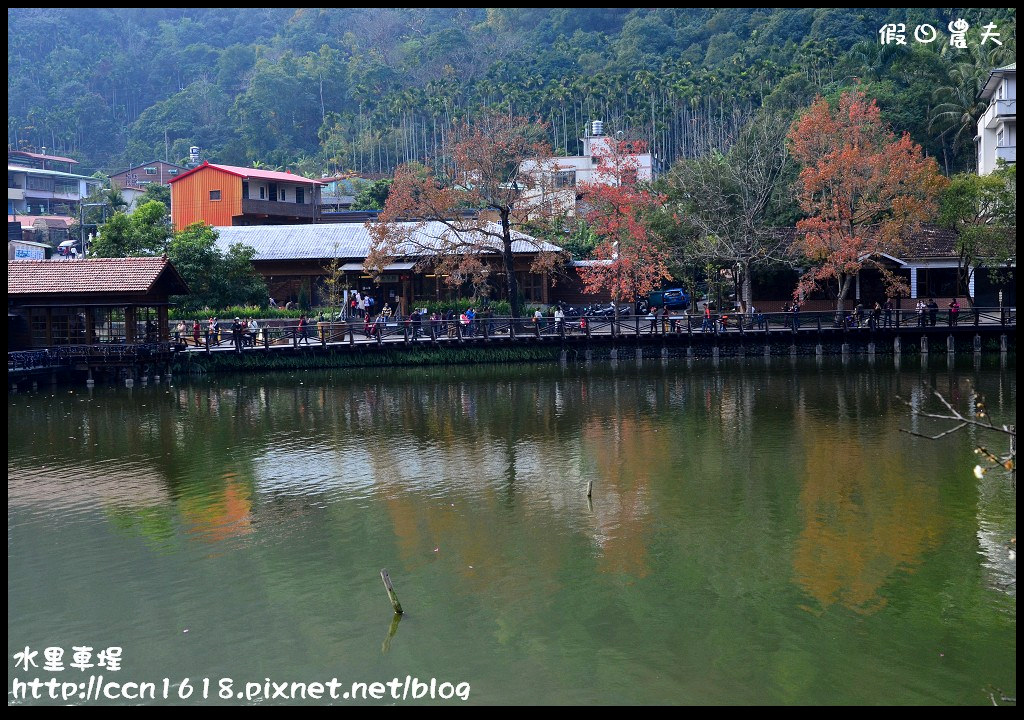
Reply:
x=97 y=276
x=926 y=241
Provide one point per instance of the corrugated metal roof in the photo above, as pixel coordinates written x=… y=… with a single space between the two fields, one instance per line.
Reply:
x=245 y=172
x=267 y=174
x=345 y=240
x=42 y=157
x=393 y=267
x=54 y=173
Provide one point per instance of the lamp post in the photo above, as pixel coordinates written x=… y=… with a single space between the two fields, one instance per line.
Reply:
x=81 y=221
x=618 y=283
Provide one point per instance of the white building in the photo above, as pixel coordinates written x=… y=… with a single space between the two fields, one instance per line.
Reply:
x=997 y=128
x=564 y=177
x=31 y=191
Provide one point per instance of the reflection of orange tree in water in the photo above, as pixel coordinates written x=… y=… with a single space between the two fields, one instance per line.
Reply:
x=221 y=514
x=864 y=520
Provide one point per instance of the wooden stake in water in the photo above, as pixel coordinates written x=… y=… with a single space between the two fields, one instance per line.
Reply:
x=590 y=488
x=391 y=592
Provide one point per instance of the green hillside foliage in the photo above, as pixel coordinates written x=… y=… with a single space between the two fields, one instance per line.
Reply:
x=363 y=90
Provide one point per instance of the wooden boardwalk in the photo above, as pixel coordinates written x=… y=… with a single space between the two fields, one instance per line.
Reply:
x=771 y=334
x=818 y=327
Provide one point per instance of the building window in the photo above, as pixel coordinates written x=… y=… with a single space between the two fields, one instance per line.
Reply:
x=38 y=183
x=282 y=198
x=531 y=286
x=215 y=195
x=300 y=196
x=565 y=179
x=245 y=190
x=151 y=171
x=263 y=193
x=38 y=324
x=172 y=171
x=272 y=191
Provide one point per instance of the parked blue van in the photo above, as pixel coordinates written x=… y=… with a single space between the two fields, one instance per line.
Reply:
x=672 y=298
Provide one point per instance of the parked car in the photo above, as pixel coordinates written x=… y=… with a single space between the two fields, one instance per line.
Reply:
x=672 y=298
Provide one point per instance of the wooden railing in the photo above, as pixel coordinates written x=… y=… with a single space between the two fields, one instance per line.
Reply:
x=383 y=330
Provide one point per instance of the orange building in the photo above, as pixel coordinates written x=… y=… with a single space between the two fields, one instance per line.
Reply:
x=225 y=195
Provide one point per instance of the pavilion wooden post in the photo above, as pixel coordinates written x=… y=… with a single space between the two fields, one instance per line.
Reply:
x=161 y=318
x=129 y=324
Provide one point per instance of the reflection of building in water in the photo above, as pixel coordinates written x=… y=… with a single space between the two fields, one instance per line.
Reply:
x=864 y=520
x=59 y=488
x=997 y=527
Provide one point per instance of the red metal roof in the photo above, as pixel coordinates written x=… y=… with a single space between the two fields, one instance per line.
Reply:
x=94 y=276
x=244 y=172
x=41 y=157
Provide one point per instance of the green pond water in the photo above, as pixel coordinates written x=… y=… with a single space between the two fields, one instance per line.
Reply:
x=760 y=532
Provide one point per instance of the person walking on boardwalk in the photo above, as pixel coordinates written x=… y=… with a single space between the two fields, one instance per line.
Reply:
x=195 y=332
x=236 y=334
x=954 y=311
x=559 y=319
x=796 y=316
x=888 y=311
x=417 y=324
x=876 y=314
x=652 y=318
x=933 y=311
x=301 y=332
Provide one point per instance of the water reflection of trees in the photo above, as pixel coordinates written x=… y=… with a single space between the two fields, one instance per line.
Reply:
x=779 y=446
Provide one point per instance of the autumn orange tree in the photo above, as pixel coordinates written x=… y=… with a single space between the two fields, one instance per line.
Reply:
x=490 y=199
x=862 y=189
x=631 y=259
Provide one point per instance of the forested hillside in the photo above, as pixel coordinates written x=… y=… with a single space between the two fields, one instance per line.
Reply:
x=329 y=90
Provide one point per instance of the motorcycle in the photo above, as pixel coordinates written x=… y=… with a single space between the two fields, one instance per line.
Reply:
x=568 y=310
x=602 y=311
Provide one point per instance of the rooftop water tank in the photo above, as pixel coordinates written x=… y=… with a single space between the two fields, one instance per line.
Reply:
x=597 y=128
